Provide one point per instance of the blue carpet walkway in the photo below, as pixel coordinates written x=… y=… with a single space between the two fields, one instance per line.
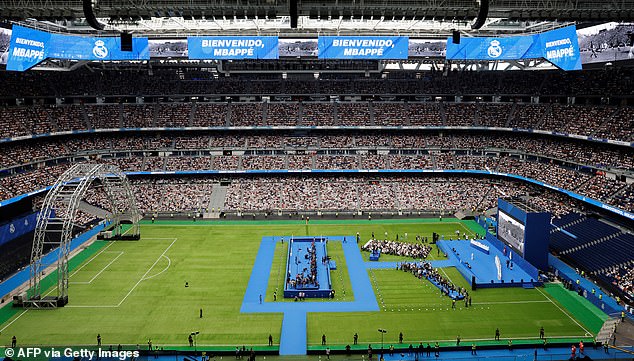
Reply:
x=293 y=337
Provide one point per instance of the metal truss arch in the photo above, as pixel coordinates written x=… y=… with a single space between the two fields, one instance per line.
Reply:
x=56 y=220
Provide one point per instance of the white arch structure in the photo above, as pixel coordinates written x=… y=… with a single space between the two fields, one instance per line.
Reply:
x=56 y=219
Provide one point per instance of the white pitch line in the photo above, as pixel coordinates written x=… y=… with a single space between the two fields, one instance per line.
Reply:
x=12 y=321
x=564 y=312
x=550 y=338
x=100 y=272
x=90 y=260
x=507 y=302
x=148 y=271
x=169 y=262
x=129 y=292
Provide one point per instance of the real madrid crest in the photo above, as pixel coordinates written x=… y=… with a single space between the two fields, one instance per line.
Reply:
x=495 y=50
x=100 y=50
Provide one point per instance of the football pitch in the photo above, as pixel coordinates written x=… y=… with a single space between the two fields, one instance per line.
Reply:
x=133 y=291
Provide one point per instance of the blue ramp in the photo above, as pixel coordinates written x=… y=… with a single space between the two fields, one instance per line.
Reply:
x=293 y=339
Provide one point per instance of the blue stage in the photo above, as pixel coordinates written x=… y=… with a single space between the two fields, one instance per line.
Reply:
x=474 y=262
x=307 y=269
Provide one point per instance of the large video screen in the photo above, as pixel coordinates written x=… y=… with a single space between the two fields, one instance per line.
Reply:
x=168 y=48
x=5 y=39
x=511 y=231
x=606 y=42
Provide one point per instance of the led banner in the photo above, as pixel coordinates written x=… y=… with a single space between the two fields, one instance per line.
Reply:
x=510 y=48
x=17 y=228
x=29 y=47
x=362 y=47
x=89 y=48
x=560 y=47
x=232 y=47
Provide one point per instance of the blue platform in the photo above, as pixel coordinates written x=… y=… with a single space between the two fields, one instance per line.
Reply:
x=483 y=267
x=298 y=266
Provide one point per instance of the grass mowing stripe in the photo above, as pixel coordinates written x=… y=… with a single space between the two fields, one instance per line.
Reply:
x=148 y=271
x=586 y=312
x=564 y=312
x=98 y=273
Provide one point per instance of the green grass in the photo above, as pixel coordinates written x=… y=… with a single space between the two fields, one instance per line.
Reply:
x=416 y=308
x=132 y=291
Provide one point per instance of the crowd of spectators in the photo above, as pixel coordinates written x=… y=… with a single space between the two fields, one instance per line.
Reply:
x=389 y=114
x=300 y=161
x=173 y=115
x=318 y=114
x=460 y=114
x=423 y=114
x=187 y=163
x=548 y=173
x=405 y=249
x=254 y=162
x=623 y=278
x=353 y=114
x=247 y=114
x=210 y=115
x=282 y=114
x=529 y=116
x=493 y=115
x=172 y=195
x=388 y=193
x=597 y=121
x=556 y=161
x=625 y=198
x=337 y=162
x=600 y=187
x=137 y=116
x=67 y=117
x=104 y=116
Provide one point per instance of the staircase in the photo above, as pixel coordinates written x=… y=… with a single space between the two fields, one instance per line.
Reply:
x=217 y=202
x=607 y=330
x=443 y=114
x=511 y=115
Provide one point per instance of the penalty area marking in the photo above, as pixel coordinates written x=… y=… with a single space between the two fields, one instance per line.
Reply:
x=84 y=265
x=143 y=278
x=91 y=259
x=100 y=272
x=148 y=271
x=588 y=333
x=169 y=262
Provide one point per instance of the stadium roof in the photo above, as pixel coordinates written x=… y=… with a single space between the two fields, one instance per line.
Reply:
x=422 y=18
